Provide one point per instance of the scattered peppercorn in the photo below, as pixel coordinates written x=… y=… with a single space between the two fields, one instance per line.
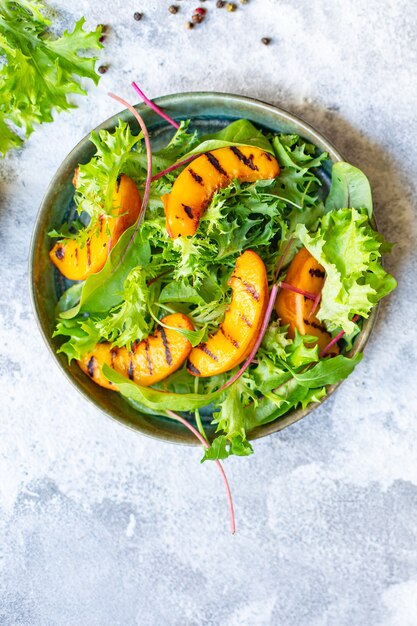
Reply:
x=104 y=29
x=189 y=25
x=197 y=18
x=173 y=9
x=200 y=11
x=102 y=69
x=137 y=16
x=266 y=40
x=231 y=7
x=220 y=4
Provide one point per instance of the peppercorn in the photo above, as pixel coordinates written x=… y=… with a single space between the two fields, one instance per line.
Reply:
x=173 y=9
x=137 y=16
x=220 y=4
x=104 y=29
x=266 y=40
x=231 y=7
x=102 y=69
x=244 y=1
x=200 y=11
x=189 y=25
x=197 y=18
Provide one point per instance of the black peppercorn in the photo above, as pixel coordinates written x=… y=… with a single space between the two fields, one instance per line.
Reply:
x=102 y=69
x=173 y=9
x=137 y=16
x=266 y=41
x=220 y=4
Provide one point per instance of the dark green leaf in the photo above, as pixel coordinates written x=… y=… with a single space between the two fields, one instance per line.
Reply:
x=350 y=189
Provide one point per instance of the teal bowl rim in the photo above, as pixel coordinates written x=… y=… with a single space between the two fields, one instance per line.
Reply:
x=169 y=102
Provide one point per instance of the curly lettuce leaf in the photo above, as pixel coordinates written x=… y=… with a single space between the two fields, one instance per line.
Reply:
x=130 y=320
x=82 y=336
x=350 y=250
x=39 y=71
x=294 y=153
x=96 y=180
x=231 y=422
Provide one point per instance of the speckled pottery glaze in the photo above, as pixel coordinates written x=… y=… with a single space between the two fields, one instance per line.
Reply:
x=209 y=112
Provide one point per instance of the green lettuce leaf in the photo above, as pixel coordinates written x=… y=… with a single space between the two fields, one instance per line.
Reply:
x=82 y=337
x=349 y=249
x=350 y=189
x=104 y=290
x=299 y=389
x=238 y=133
x=97 y=179
x=231 y=420
x=40 y=71
x=157 y=399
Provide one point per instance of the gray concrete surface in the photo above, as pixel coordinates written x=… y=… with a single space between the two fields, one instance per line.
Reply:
x=102 y=527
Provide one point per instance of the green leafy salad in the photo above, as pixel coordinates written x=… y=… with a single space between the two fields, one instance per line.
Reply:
x=149 y=275
x=38 y=70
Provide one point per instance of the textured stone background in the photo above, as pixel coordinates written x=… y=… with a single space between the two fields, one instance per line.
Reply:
x=99 y=526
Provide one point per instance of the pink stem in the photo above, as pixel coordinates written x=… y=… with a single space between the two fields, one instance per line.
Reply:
x=283 y=257
x=335 y=339
x=271 y=302
x=148 y=174
x=174 y=167
x=306 y=294
x=195 y=432
x=154 y=106
x=316 y=304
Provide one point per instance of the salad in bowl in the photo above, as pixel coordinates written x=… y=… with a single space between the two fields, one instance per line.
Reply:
x=216 y=280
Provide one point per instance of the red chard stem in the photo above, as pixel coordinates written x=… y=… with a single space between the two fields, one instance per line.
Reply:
x=335 y=339
x=195 y=432
x=174 y=167
x=154 y=107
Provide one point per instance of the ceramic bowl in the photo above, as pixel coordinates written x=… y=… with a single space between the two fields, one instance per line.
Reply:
x=209 y=112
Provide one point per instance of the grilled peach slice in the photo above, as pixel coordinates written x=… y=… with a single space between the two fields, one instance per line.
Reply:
x=150 y=360
x=294 y=309
x=76 y=262
x=234 y=340
x=194 y=188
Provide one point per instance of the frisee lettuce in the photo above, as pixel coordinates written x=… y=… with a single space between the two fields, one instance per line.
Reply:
x=40 y=70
